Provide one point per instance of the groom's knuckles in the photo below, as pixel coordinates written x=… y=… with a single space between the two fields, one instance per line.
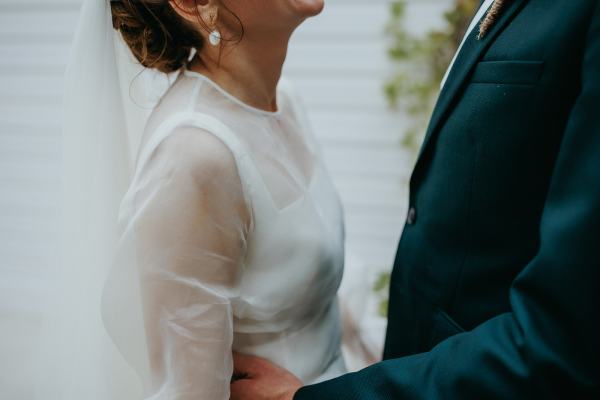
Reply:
x=245 y=363
x=241 y=390
x=240 y=363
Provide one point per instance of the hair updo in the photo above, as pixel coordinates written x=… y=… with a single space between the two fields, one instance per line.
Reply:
x=156 y=35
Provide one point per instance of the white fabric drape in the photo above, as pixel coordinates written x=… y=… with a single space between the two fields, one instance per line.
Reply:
x=105 y=107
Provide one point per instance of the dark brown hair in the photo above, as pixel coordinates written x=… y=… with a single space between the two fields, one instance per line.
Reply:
x=157 y=36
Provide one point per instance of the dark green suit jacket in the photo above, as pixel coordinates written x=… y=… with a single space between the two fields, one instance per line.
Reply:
x=495 y=292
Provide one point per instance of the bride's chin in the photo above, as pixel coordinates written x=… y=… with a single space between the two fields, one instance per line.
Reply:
x=309 y=8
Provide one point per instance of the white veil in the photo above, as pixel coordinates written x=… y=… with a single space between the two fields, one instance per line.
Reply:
x=107 y=99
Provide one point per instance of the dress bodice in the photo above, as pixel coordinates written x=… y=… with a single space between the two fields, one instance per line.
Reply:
x=235 y=232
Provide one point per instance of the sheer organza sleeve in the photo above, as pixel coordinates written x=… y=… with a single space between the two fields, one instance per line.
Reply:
x=190 y=223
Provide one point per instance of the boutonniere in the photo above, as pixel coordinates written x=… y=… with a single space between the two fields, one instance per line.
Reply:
x=490 y=18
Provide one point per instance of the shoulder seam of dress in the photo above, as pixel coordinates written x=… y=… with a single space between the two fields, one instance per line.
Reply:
x=246 y=169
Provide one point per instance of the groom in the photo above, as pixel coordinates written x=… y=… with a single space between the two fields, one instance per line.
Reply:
x=495 y=292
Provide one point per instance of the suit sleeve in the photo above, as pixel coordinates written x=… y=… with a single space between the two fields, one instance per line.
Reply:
x=548 y=345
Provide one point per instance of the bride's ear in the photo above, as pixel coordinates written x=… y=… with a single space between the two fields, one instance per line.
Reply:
x=190 y=10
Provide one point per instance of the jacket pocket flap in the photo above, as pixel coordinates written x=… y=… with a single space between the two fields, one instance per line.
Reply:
x=508 y=72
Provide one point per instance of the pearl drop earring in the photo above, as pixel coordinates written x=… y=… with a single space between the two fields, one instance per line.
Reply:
x=214 y=38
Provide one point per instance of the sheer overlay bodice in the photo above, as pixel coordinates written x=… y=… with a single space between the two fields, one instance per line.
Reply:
x=233 y=239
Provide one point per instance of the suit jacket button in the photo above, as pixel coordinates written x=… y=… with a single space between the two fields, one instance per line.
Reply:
x=411 y=218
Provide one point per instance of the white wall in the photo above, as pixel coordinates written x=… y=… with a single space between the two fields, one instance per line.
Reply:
x=338 y=63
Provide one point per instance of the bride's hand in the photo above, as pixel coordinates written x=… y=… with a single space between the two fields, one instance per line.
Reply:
x=255 y=378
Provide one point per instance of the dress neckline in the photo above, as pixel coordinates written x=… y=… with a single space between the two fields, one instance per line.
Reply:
x=232 y=98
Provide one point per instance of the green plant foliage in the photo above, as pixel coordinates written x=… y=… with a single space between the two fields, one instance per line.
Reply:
x=381 y=288
x=420 y=63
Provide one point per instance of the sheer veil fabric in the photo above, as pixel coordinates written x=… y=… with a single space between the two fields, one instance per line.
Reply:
x=229 y=234
x=107 y=100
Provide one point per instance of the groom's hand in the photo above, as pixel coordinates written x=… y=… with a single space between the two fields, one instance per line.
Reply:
x=255 y=378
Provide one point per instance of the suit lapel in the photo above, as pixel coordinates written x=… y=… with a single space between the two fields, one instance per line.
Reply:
x=470 y=54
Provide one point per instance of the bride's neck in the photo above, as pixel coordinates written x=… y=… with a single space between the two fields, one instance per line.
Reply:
x=249 y=70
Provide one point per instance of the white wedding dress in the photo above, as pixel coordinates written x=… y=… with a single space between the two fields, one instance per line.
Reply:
x=233 y=240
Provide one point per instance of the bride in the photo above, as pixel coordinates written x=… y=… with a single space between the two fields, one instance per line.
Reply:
x=232 y=234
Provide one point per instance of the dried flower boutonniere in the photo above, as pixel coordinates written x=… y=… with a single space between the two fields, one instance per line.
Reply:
x=490 y=18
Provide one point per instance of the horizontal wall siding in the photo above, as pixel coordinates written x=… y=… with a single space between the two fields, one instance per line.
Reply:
x=338 y=63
